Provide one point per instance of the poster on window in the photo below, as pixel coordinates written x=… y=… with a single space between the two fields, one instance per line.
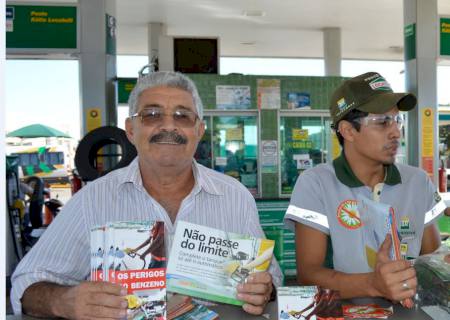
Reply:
x=233 y=97
x=298 y=100
x=268 y=91
x=269 y=156
x=303 y=161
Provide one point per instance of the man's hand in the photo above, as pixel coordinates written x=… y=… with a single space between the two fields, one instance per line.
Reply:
x=255 y=292
x=93 y=300
x=394 y=280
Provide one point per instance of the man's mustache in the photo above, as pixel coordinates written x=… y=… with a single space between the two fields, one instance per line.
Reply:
x=168 y=137
x=392 y=144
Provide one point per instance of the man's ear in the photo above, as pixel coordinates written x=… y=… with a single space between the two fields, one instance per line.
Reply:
x=129 y=129
x=347 y=130
x=201 y=130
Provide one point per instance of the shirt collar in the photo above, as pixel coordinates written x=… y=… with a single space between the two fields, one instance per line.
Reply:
x=345 y=174
x=132 y=174
x=203 y=181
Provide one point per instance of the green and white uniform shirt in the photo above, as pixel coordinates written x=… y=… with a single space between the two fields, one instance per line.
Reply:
x=325 y=198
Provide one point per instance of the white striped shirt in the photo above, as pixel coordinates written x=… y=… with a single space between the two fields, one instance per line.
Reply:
x=62 y=255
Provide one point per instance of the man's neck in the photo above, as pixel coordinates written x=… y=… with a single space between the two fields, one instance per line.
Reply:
x=168 y=185
x=367 y=171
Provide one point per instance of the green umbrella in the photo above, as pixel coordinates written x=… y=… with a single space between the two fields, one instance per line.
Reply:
x=37 y=131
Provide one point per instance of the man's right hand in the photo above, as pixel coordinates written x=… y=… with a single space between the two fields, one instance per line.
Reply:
x=394 y=280
x=88 y=300
x=92 y=300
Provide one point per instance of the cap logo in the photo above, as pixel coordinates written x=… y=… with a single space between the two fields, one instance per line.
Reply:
x=380 y=84
x=341 y=104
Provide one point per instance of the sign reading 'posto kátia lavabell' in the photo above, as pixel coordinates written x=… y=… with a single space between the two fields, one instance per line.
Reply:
x=41 y=27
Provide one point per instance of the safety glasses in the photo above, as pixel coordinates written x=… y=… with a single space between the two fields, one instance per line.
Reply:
x=382 y=121
x=154 y=116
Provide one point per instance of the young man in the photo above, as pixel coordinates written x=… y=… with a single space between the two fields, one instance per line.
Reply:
x=163 y=183
x=326 y=199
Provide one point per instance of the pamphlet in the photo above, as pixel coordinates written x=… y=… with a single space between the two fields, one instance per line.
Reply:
x=383 y=222
x=135 y=258
x=308 y=302
x=180 y=307
x=209 y=263
x=97 y=253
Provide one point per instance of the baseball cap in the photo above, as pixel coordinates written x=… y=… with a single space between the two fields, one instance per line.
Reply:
x=368 y=92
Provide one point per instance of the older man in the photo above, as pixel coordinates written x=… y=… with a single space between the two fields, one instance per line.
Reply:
x=162 y=183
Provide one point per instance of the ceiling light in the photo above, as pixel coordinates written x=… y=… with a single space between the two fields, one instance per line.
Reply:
x=254 y=13
x=397 y=49
x=248 y=43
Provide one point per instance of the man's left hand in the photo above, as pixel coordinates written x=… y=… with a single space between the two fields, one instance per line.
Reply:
x=255 y=292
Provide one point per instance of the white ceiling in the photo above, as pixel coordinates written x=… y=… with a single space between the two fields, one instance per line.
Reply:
x=370 y=29
x=290 y=28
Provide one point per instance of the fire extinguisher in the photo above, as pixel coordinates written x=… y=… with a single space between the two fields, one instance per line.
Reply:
x=75 y=182
x=442 y=178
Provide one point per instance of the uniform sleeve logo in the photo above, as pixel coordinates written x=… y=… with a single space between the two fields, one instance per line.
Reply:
x=380 y=84
x=311 y=217
x=348 y=215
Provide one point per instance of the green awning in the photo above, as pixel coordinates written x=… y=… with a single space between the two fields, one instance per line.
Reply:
x=37 y=131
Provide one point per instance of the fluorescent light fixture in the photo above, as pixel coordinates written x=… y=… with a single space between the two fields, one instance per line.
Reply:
x=254 y=13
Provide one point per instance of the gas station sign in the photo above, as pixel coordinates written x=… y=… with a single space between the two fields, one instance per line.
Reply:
x=41 y=27
x=444 y=31
x=124 y=88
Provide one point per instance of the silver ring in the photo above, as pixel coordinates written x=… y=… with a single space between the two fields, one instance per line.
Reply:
x=405 y=285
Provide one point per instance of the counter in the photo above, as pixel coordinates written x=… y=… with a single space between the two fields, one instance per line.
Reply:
x=229 y=312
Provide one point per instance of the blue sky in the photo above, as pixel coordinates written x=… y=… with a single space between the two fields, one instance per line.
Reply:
x=42 y=91
x=47 y=91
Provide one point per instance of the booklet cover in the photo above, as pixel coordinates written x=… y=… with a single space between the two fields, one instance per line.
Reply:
x=97 y=253
x=308 y=302
x=180 y=307
x=209 y=263
x=135 y=258
x=381 y=221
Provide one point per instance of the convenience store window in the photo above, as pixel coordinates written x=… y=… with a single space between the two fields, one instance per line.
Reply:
x=304 y=143
x=230 y=146
x=203 y=155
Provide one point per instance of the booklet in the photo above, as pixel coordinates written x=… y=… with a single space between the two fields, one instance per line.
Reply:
x=382 y=221
x=97 y=253
x=134 y=257
x=180 y=307
x=308 y=302
x=209 y=263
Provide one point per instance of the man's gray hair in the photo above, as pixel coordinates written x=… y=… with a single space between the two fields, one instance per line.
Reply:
x=168 y=79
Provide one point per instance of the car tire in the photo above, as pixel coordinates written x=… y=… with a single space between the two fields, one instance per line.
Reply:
x=92 y=142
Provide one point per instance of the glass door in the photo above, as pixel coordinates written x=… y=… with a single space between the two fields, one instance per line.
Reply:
x=230 y=146
x=304 y=143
